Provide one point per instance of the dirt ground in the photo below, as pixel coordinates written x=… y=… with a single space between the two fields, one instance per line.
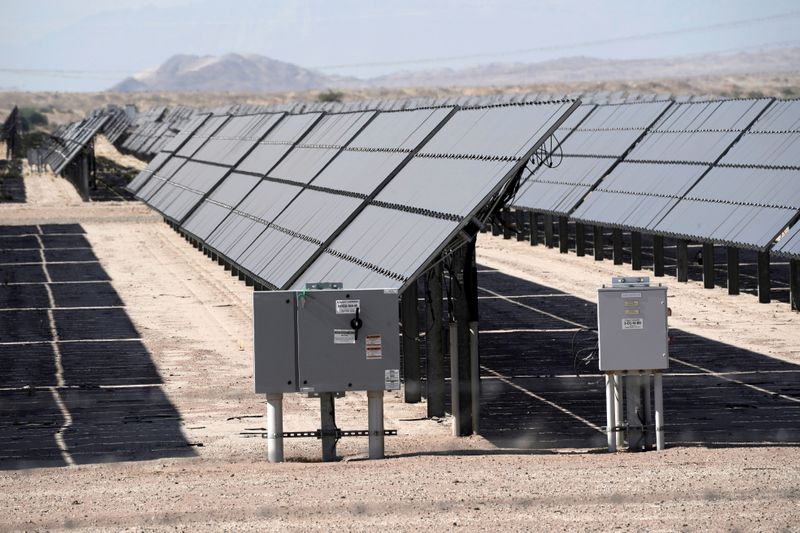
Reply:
x=195 y=321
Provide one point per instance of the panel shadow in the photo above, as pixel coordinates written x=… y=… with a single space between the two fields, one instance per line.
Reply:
x=78 y=385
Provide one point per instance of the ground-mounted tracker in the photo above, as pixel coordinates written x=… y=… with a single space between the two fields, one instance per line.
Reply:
x=592 y=142
x=453 y=181
x=239 y=223
x=753 y=193
x=67 y=143
x=211 y=161
x=683 y=145
x=789 y=243
x=117 y=124
x=314 y=206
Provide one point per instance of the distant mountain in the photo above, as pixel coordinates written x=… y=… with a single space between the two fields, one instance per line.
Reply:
x=231 y=72
x=590 y=69
x=255 y=73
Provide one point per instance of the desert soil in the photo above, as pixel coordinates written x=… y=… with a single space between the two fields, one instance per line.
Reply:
x=195 y=320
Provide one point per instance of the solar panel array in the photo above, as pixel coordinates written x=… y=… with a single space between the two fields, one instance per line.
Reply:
x=67 y=142
x=367 y=198
x=592 y=143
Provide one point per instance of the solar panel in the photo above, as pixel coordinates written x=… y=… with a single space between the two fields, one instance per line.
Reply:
x=449 y=180
x=597 y=138
x=752 y=194
x=675 y=154
x=66 y=144
x=186 y=188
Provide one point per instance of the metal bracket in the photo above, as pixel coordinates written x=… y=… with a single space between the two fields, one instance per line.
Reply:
x=337 y=433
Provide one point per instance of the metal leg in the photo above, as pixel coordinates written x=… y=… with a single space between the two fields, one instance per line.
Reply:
x=618 y=417
x=597 y=242
x=375 y=415
x=633 y=410
x=648 y=411
x=475 y=376
x=275 y=428
x=659 y=401
x=708 y=265
x=435 y=355
x=658 y=256
x=611 y=434
x=328 y=415
x=763 y=278
x=455 y=406
x=683 y=260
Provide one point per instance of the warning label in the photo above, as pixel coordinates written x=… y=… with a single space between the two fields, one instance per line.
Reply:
x=632 y=323
x=392 y=379
x=374 y=345
x=347 y=307
x=344 y=336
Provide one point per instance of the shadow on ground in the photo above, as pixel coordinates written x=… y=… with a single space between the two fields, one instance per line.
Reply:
x=715 y=394
x=77 y=384
x=12 y=186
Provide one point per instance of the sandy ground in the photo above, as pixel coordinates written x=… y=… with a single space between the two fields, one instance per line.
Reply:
x=103 y=148
x=195 y=320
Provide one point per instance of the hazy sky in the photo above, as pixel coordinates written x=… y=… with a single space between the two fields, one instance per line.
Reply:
x=84 y=45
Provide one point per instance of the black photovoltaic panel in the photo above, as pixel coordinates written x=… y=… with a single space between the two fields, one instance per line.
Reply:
x=143 y=176
x=453 y=176
x=235 y=139
x=280 y=140
x=753 y=193
x=67 y=143
x=339 y=190
x=598 y=137
x=158 y=178
x=217 y=205
x=318 y=145
x=201 y=135
x=679 y=150
x=186 y=188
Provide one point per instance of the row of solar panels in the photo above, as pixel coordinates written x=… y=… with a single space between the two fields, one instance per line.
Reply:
x=9 y=127
x=721 y=171
x=367 y=198
x=153 y=129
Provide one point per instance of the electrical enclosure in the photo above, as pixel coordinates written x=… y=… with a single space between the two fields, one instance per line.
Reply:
x=326 y=340
x=632 y=328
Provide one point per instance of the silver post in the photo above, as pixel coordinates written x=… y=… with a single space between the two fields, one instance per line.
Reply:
x=618 y=418
x=648 y=410
x=275 y=428
x=658 y=391
x=454 y=381
x=475 y=376
x=611 y=433
x=375 y=416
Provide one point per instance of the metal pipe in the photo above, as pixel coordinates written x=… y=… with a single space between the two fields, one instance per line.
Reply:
x=611 y=433
x=435 y=355
x=618 y=417
x=375 y=420
x=475 y=376
x=275 y=428
x=648 y=410
x=658 y=391
x=455 y=406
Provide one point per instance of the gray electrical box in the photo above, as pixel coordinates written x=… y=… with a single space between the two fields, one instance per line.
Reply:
x=329 y=340
x=632 y=325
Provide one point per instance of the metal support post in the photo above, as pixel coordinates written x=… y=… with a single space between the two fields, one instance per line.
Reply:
x=549 y=240
x=616 y=236
x=708 y=265
x=636 y=250
x=658 y=391
x=658 y=256
x=644 y=379
x=580 y=239
x=328 y=417
x=455 y=393
x=411 y=372
x=597 y=242
x=611 y=433
x=506 y=223
x=475 y=376
x=520 y=218
x=794 y=284
x=435 y=352
x=618 y=416
x=534 y=224
x=275 y=428
x=375 y=420
x=563 y=235
x=733 y=270
x=633 y=397
x=683 y=260
x=763 y=278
